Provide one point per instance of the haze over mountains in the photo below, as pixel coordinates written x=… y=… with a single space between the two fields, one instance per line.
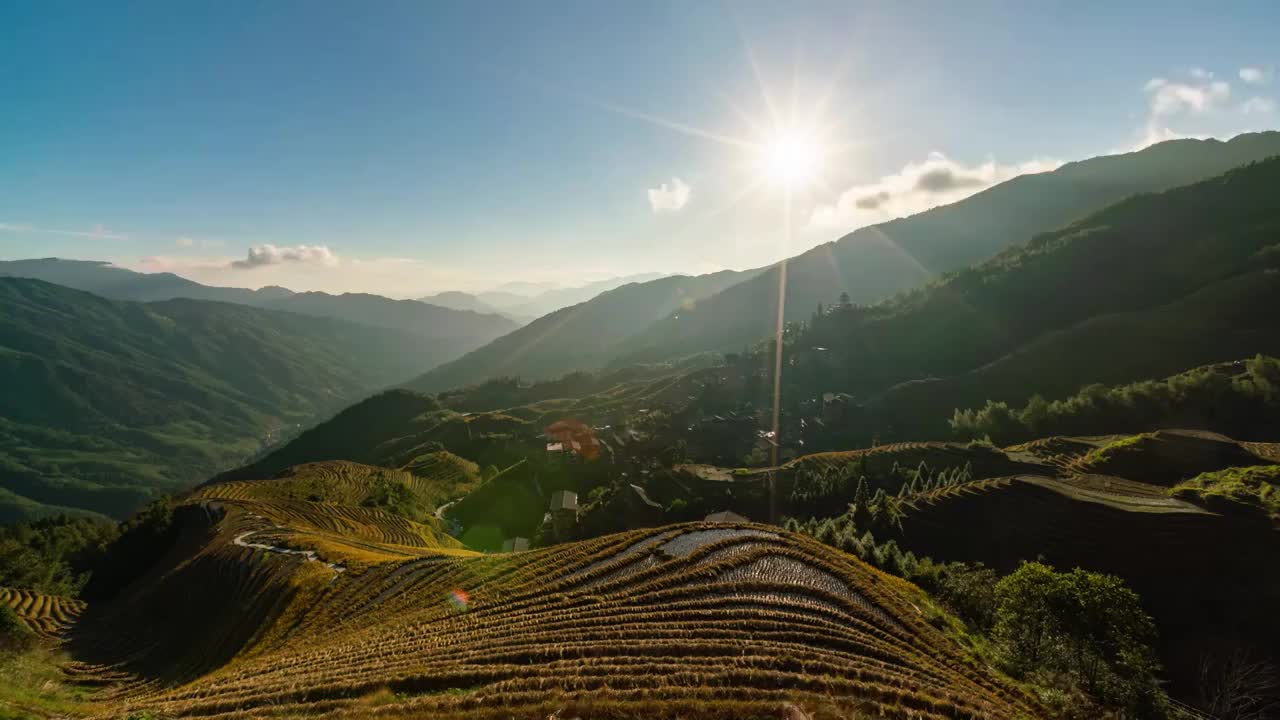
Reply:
x=581 y=336
x=108 y=403
x=455 y=330
x=526 y=301
x=1155 y=308
x=981 y=347
x=667 y=319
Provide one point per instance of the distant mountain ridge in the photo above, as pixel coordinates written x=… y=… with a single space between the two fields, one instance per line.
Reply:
x=729 y=311
x=1148 y=287
x=582 y=336
x=455 y=331
x=523 y=302
x=876 y=262
x=107 y=403
x=459 y=300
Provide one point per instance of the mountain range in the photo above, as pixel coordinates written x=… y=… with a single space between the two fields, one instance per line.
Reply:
x=109 y=402
x=454 y=331
x=582 y=336
x=525 y=301
x=196 y=385
x=664 y=319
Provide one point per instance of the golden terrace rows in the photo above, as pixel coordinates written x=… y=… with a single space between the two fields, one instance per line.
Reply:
x=736 y=620
x=46 y=615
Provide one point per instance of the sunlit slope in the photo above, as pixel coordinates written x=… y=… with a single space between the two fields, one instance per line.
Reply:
x=727 y=621
x=346 y=483
x=328 y=503
x=876 y=262
x=580 y=337
x=46 y=615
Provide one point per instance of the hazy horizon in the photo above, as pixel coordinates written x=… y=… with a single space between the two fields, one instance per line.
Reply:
x=408 y=150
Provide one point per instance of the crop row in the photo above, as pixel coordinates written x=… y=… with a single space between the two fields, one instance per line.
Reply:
x=737 y=613
x=44 y=614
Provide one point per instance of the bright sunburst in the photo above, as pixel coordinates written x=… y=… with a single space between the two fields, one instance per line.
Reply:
x=792 y=159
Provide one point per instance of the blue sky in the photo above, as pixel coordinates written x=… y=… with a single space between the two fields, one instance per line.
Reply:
x=413 y=147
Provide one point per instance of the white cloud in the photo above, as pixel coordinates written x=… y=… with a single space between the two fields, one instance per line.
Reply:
x=669 y=197
x=261 y=255
x=1255 y=75
x=1174 y=102
x=920 y=186
x=1171 y=98
x=184 y=242
x=98 y=231
x=389 y=276
x=1258 y=106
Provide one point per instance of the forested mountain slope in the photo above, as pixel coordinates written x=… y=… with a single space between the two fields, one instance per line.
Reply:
x=102 y=278
x=1148 y=287
x=107 y=403
x=875 y=262
x=581 y=337
x=454 y=331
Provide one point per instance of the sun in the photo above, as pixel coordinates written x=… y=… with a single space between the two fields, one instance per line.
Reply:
x=792 y=159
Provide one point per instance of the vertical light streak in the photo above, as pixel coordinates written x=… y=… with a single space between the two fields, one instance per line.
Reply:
x=778 y=327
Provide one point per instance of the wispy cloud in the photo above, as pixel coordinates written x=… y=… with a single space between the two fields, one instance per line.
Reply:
x=187 y=242
x=1258 y=106
x=669 y=197
x=1201 y=106
x=262 y=255
x=1255 y=75
x=1170 y=98
x=390 y=276
x=937 y=180
x=97 y=232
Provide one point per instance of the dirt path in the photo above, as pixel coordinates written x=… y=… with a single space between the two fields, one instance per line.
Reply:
x=308 y=555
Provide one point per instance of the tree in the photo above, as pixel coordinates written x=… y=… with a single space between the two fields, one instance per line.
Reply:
x=844 y=300
x=861 y=506
x=1234 y=684
x=1087 y=625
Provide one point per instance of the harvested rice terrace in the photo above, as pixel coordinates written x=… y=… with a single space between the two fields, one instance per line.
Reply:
x=46 y=615
x=743 y=617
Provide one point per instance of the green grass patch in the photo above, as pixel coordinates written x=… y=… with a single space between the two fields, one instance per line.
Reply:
x=1253 y=487
x=32 y=685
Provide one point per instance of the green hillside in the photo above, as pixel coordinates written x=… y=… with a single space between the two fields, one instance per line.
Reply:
x=875 y=262
x=581 y=337
x=108 y=403
x=1147 y=288
x=453 y=331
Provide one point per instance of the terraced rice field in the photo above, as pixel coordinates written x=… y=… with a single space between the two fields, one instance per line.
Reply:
x=1116 y=526
x=47 y=615
x=1059 y=452
x=348 y=483
x=984 y=461
x=692 y=620
x=1113 y=492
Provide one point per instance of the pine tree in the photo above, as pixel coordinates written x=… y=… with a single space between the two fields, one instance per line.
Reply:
x=861 y=504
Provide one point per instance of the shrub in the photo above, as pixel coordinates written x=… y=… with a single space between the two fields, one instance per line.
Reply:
x=393 y=494
x=1236 y=405
x=14 y=634
x=1081 y=626
x=144 y=539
